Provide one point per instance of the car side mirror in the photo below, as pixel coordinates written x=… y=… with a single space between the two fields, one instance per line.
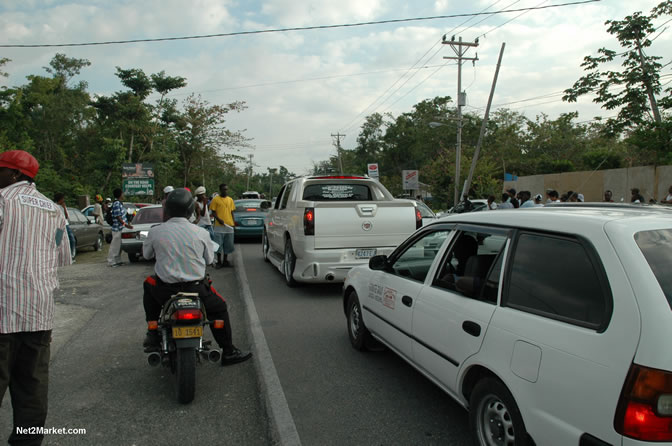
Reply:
x=378 y=263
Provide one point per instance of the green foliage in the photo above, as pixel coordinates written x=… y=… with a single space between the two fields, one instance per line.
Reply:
x=546 y=166
x=602 y=159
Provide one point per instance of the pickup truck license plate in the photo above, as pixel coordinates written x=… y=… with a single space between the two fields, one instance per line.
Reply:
x=365 y=253
x=187 y=332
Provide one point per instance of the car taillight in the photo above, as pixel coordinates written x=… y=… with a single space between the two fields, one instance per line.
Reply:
x=645 y=408
x=188 y=315
x=128 y=235
x=309 y=221
x=418 y=219
x=251 y=210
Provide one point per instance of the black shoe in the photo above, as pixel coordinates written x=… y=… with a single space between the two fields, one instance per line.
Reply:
x=235 y=357
x=152 y=342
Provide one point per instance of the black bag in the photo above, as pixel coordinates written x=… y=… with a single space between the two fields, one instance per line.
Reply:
x=108 y=217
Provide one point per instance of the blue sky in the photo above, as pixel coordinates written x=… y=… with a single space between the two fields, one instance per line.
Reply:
x=301 y=86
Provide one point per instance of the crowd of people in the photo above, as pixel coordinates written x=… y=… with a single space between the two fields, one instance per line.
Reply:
x=523 y=199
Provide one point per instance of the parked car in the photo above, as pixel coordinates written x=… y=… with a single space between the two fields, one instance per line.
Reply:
x=249 y=217
x=552 y=329
x=131 y=239
x=107 y=229
x=87 y=233
x=251 y=194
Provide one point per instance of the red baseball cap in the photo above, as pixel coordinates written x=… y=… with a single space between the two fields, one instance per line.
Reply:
x=20 y=160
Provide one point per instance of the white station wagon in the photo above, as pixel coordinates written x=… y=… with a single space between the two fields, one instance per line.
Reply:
x=551 y=325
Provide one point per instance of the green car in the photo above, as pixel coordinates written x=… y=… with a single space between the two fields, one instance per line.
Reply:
x=249 y=217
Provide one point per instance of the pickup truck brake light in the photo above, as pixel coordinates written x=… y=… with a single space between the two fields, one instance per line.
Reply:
x=309 y=221
x=418 y=219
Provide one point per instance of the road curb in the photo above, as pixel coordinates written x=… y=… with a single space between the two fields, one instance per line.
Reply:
x=282 y=427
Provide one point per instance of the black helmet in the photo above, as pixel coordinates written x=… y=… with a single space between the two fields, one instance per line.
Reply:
x=179 y=203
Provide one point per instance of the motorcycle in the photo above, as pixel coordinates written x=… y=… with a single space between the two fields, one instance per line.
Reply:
x=180 y=327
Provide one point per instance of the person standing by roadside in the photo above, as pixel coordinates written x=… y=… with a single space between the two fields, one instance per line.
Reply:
x=514 y=202
x=166 y=191
x=203 y=212
x=607 y=196
x=637 y=198
x=59 y=199
x=119 y=222
x=491 y=203
x=98 y=210
x=33 y=246
x=222 y=208
x=668 y=199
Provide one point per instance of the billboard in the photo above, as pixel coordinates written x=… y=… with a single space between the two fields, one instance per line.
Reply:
x=137 y=170
x=138 y=186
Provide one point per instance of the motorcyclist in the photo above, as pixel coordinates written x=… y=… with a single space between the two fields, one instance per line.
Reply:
x=182 y=251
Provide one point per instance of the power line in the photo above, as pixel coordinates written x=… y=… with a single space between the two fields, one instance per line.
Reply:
x=298 y=28
x=352 y=122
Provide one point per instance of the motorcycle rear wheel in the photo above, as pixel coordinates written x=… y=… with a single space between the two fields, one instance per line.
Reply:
x=185 y=374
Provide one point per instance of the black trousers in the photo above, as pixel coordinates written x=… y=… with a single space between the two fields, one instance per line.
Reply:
x=157 y=292
x=24 y=368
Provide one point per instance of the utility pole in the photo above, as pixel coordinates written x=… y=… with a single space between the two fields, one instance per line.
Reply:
x=461 y=98
x=484 y=124
x=338 y=137
x=647 y=82
x=270 y=188
x=249 y=171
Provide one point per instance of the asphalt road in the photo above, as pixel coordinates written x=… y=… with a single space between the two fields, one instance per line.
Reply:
x=100 y=380
x=337 y=395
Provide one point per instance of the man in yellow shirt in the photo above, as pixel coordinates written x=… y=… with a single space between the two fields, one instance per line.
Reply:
x=222 y=208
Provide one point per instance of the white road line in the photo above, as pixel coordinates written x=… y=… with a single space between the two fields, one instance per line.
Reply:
x=283 y=429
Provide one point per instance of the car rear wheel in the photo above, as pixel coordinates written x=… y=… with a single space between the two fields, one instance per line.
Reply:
x=289 y=264
x=99 y=242
x=133 y=257
x=494 y=418
x=360 y=337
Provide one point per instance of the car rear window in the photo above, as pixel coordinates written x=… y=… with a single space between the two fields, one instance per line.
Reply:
x=657 y=249
x=337 y=192
x=148 y=215
x=250 y=205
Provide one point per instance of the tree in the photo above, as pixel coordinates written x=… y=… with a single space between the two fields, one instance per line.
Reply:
x=633 y=89
x=203 y=139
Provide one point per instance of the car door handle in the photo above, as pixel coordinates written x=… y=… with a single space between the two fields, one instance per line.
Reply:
x=472 y=328
x=406 y=300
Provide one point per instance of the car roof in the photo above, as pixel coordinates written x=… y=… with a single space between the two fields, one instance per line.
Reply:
x=563 y=217
x=151 y=206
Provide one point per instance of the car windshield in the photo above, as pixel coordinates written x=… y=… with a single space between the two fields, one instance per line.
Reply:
x=657 y=249
x=337 y=192
x=250 y=205
x=148 y=215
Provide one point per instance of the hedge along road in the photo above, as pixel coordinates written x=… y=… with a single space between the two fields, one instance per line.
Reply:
x=100 y=380
x=336 y=394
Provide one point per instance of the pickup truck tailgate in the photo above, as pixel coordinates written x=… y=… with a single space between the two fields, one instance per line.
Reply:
x=363 y=225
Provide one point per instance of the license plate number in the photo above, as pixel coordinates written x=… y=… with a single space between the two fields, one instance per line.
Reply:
x=187 y=332
x=365 y=253
x=250 y=222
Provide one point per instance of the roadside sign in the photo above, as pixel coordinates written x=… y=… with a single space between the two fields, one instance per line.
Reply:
x=373 y=170
x=411 y=179
x=137 y=170
x=138 y=186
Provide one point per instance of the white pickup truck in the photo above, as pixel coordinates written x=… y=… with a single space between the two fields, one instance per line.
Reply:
x=322 y=226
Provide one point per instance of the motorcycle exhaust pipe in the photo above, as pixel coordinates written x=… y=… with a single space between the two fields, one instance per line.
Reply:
x=154 y=359
x=212 y=355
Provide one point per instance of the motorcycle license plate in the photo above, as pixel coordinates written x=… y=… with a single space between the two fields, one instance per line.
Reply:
x=187 y=332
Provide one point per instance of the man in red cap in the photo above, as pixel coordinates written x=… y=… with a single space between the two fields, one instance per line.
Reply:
x=33 y=243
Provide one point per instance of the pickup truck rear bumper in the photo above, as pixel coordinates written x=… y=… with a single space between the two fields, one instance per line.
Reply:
x=330 y=265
